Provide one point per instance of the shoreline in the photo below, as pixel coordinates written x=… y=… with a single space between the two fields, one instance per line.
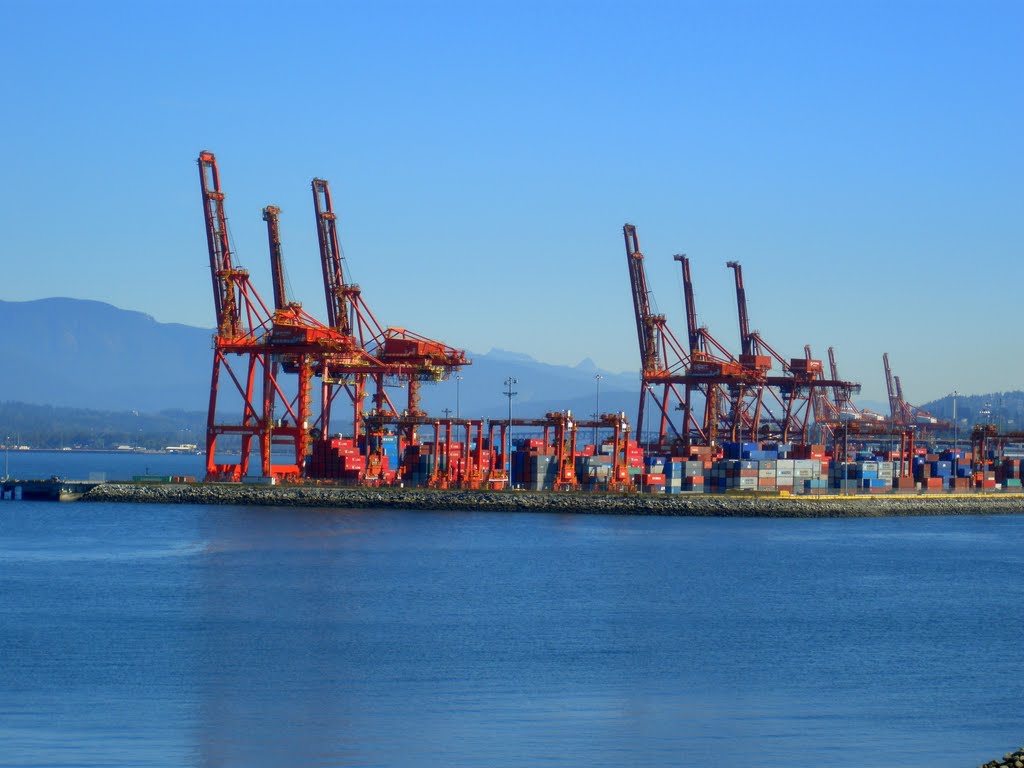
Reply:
x=696 y=505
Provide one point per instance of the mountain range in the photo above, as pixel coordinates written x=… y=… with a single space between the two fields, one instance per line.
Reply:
x=87 y=354
x=74 y=353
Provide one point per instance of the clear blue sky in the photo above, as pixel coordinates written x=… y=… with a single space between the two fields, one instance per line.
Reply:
x=862 y=160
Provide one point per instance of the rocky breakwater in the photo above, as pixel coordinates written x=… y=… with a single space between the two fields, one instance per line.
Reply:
x=1012 y=760
x=579 y=503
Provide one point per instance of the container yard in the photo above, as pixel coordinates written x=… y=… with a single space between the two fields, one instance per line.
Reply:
x=753 y=422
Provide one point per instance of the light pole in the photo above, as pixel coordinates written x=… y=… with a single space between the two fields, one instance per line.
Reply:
x=956 y=460
x=458 y=381
x=508 y=436
x=7 y=457
x=597 y=404
x=846 y=457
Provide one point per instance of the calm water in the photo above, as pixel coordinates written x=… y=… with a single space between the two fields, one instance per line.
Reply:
x=240 y=636
x=98 y=465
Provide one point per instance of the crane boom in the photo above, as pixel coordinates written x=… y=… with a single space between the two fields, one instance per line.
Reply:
x=741 y=304
x=833 y=368
x=270 y=215
x=336 y=290
x=224 y=274
x=890 y=388
x=646 y=321
x=691 y=306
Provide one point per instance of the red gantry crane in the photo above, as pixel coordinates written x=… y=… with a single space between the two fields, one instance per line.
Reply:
x=663 y=360
x=902 y=413
x=797 y=389
x=249 y=343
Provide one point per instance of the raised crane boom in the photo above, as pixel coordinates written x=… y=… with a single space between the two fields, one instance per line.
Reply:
x=890 y=388
x=692 y=331
x=746 y=341
x=646 y=321
x=837 y=391
x=337 y=292
x=225 y=275
x=270 y=215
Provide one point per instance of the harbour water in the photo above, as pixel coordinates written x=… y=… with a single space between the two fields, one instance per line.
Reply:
x=97 y=465
x=148 y=635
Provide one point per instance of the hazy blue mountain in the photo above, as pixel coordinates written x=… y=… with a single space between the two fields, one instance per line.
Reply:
x=87 y=354
x=540 y=387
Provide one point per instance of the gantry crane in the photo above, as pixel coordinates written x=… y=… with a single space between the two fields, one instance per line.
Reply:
x=903 y=413
x=663 y=360
x=798 y=389
x=261 y=343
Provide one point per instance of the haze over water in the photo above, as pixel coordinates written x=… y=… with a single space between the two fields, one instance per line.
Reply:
x=188 y=635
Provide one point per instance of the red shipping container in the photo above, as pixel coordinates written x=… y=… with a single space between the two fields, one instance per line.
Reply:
x=354 y=463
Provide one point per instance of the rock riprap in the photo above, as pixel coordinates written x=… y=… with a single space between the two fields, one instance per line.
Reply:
x=704 y=505
x=1012 y=760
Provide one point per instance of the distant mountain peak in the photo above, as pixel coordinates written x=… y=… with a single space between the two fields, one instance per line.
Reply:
x=504 y=354
x=586 y=364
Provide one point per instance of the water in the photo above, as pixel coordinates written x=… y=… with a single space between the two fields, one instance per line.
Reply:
x=137 y=635
x=98 y=465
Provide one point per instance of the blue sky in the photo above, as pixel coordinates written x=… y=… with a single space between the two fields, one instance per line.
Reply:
x=861 y=160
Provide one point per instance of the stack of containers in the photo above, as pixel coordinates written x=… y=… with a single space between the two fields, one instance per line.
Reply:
x=540 y=472
x=731 y=474
x=846 y=476
x=766 y=474
x=785 y=479
x=593 y=471
x=654 y=479
x=1009 y=474
x=335 y=459
x=810 y=475
x=533 y=466
x=419 y=465
x=634 y=461
x=683 y=475
x=923 y=474
x=386 y=444
x=986 y=480
x=739 y=451
x=934 y=474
